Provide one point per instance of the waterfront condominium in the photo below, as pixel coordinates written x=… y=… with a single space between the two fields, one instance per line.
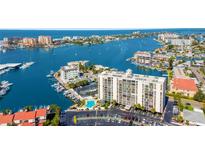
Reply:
x=129 y=89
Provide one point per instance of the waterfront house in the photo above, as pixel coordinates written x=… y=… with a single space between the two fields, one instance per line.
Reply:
x=41 y=114
x=6 y=120
x=21 y=117
x=185 y=86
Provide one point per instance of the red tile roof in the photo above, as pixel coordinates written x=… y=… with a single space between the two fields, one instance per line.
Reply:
x=41 y=112
x=184 y=84
x=25 y=115
x=27 y=124
x=6 y=119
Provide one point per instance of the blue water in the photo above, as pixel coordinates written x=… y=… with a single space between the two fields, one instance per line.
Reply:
x=31 y=87
x=90 y=103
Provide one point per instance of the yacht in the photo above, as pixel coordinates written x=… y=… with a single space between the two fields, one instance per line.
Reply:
x=26 y=65
x=2 y=92
x=50 y=74
x=4 y=87
x=5 y=84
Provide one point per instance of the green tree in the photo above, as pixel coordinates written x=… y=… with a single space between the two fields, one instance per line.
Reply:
x=171 y=61
x=153 y=110
x=177 y=98
x=56 y=119
x=7 y=111
x=187 y=122
x=199 y=96
x=180 y=119
x=28 y=108
x=137 y=106
x=170 y=46
x=189 y=107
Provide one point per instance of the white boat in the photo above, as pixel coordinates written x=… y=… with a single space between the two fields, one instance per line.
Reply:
x=3 y=92
x=5 y=84
x=2 y=72
x=26 y=65
x=4 y=87
x=50 y=74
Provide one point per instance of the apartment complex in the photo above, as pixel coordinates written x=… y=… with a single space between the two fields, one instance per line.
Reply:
x=129 y=89
x=45 y=40
x=180 y=42
x=31 y=42
x=69 y=72
x=143 y=57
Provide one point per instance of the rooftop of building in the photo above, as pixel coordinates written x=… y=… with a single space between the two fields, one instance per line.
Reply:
x=196 y=116
x=6 y=119
x=143 y=53
x=69 y=68
x=128 y=75
x=25 y=115
x=41 y=112
x=184 y=84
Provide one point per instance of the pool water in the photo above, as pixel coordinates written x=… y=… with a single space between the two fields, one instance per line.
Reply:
x=90 y=104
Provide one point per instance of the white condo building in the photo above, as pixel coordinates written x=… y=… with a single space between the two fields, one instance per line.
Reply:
x=68 y=73
x=129 y=89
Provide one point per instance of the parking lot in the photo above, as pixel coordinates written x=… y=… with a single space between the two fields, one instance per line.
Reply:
x=111 y=117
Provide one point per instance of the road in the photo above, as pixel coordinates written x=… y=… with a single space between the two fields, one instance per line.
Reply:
x=198 y=74
x=168 y=112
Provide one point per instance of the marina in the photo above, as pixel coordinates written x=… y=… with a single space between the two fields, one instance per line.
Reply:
x=26 y=65
x=4 y=87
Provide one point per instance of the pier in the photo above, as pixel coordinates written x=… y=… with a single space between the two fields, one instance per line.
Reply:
x=9 y=65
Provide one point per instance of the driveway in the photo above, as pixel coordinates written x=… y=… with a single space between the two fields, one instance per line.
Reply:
x=168 y=113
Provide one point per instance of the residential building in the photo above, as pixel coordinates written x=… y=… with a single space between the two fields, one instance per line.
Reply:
x=161 y=57
x=180 y=42
x=21 y=117
x=6 y=120
x=41 y=114
x=45 y=40
x=68 y=73
x=129 y=89
x=5 y=42
x=179 y=72
x=166 y=36
x=143 y=57
x=186 y=86
x=1 y=44
x=31 y=42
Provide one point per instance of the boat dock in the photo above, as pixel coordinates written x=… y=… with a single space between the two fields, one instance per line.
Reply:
x=9 y=65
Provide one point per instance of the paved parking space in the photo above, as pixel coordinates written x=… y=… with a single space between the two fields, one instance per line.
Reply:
x=111 y=117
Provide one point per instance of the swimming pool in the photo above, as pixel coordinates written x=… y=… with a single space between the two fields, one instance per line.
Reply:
x=90 y=104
